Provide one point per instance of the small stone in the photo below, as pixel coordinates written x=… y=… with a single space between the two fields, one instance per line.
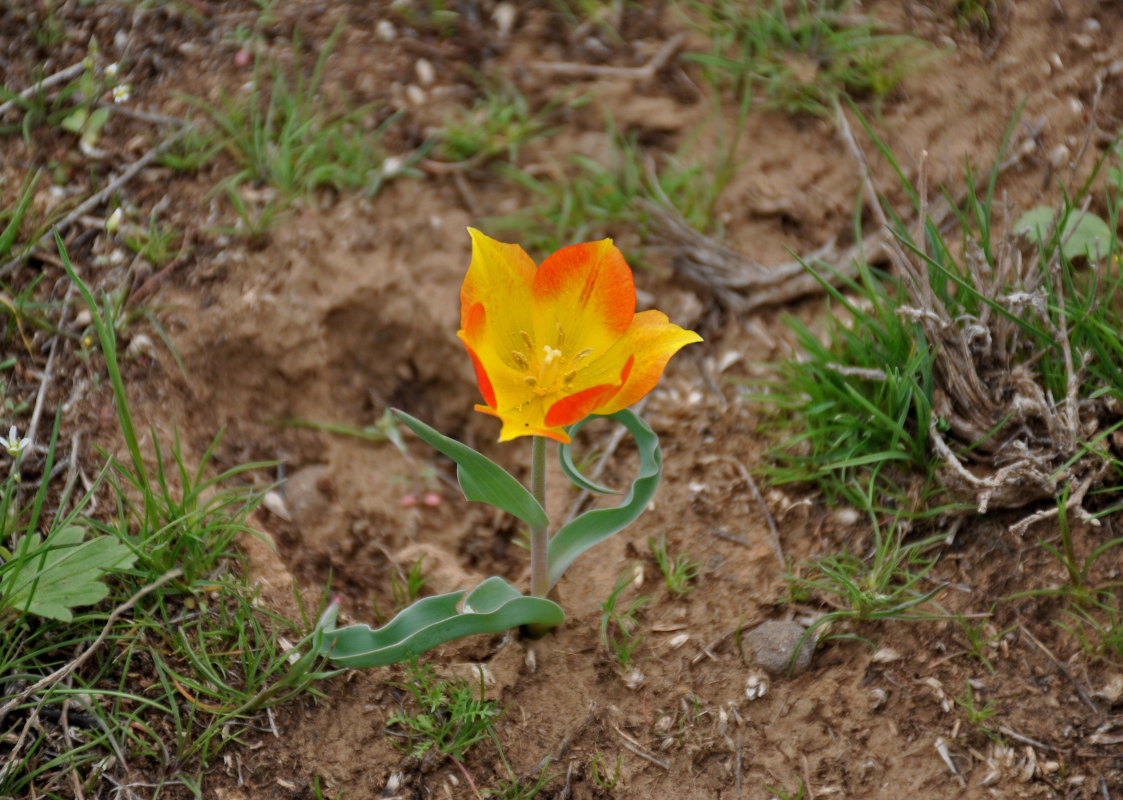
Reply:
x=141 y=346
x=634 y=679
x=771 y=645
x=1112 y=691
x=426 y=75
x=415 y=94
x=1059 y=156
x=385 y=30
x=504 y=16
x=1083 y=40
x=756 y=686
x=878 y=696
x=274 y=503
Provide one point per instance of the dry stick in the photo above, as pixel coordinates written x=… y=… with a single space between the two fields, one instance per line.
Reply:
x=1025 y=739
x=569 y=69
x=742 y=285
x=739 y=744
x=33 y=427
x=143 y=116
x=46 y=83
x=32 y=720
x=95 y=199
x=64 y=722
x=637 y=748
x=1091 y=129
x=747 y=477
x=66 y=669
x=1075 y=504
x=1056 y=662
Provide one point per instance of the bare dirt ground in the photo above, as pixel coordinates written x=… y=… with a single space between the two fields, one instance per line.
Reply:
x=349 y=307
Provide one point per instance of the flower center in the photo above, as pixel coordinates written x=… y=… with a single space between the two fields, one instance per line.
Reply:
x=552 y=372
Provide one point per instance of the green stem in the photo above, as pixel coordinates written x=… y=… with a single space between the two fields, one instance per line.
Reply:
x=539 y=541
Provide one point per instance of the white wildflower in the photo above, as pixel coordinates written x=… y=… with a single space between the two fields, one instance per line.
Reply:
x=13 y=444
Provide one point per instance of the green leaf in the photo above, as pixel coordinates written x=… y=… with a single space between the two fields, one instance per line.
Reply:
x=94 y=123
x=74 y=121
x=1087 y=235
x=595 y=526
x=492 y=607
x=481 y=479
x=1084 y=233
x=52 y=577
x=565 y=457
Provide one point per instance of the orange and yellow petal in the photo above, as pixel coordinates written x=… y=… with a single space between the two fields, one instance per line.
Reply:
x=652 y=339
x=526 y=421
x=586 y=289
x=579 y=405
x=499 y=280
x=482 y=379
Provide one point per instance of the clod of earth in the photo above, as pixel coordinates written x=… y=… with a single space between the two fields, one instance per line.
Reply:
x=772 y=644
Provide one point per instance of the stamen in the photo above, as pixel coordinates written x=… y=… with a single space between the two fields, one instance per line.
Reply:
x=561 y=336
x=569 y=376
x=530 y=380
x=588 y=351
x=520 y=360
x=527 y=341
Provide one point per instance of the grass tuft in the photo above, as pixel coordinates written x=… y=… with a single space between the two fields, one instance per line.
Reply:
x=802 y=57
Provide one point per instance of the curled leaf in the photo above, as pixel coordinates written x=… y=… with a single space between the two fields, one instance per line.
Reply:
x=492 y=607
x=595 y=526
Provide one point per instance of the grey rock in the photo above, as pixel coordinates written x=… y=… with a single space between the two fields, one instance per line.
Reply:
x=771 y=644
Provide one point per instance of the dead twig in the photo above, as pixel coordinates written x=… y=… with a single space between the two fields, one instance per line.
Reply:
x=62 y=75
x=95 y=200
x=1025 y=739
x=569 y=69
x=637 y=748
x=1024 y=630
x=747 y=477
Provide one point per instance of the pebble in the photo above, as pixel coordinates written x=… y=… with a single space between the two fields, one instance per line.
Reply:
x=385 y=30
x=426 y=75
x=504 y=17
x=415 y=94
x=1059 y=156
x=771 y=645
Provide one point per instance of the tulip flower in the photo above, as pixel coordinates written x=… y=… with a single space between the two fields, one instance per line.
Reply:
x=555 y=343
